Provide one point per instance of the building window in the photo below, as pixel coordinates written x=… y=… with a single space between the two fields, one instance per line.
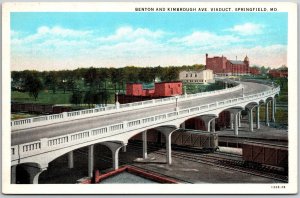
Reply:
x=191 y=75
x=178 y=85
x=187 y=75
x=195 y=75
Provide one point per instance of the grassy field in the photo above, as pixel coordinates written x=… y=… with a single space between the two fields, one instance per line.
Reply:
x=45 y=97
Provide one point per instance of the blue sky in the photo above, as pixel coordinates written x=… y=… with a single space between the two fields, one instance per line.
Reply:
x=46 y=41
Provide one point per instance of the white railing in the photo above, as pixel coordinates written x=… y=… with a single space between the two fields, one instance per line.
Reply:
x=66 y=116
x=48 y=144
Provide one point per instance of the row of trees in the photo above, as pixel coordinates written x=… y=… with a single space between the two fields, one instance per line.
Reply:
x=91 y=84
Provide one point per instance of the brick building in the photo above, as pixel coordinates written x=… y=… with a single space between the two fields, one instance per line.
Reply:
x=223 y=66
x=279 y=73
x=254 y=71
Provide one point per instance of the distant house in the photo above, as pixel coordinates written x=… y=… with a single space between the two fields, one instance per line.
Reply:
x=202 y=76
x=279 y=73
x=255 y=71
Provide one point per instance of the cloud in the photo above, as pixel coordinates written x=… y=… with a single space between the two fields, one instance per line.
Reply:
x=247 y=29
x=128 y=33
x=61 y=48
x=205 y=38
x=44 y=33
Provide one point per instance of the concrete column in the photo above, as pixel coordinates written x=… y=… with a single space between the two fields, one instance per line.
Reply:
x=13 y=174
x=231 y=120
x=91 y=161
x=257 y=117
x=124 y=148
x=273 y=110
x=267 y=114
x=182 y=125
x=115 y=158
x=168 y=148
x=208 y=126
x=274 y=104
x=34 y=172
x=213 y=124
x=236 y=127
x=115 y=148
x=70 y=159
x=250 y=115
x=144 y=136
x=239 y=119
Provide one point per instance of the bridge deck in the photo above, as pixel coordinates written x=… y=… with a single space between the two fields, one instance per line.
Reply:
x=57 y=129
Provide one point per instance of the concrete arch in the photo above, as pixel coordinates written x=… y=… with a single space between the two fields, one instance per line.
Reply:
x=133 y=133
x=31 y=172
x=230 y=108
x=255 y=103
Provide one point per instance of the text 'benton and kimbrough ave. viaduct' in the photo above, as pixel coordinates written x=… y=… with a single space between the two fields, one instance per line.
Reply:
x=38 y=141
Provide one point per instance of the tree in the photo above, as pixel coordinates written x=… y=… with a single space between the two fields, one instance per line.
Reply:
x=76 y=97
x=88 y=98
x=51 y=81
x=91 y=76
x=33 y=85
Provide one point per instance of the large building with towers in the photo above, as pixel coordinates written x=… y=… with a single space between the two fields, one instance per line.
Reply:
x=225 y=67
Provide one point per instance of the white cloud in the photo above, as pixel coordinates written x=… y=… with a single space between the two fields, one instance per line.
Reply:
x=61 y=48
x=128 y=33
x=46 y=33
x=204 y=38
x=247 y=29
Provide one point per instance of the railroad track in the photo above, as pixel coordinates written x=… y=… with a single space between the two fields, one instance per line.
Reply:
x=109 y=159
x=222 y=160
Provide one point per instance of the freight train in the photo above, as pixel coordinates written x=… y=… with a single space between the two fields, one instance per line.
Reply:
x=39 y=108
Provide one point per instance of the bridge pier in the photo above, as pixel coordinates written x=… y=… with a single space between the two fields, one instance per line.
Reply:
x=182 y=125
x=91 y=161
x=213 y=125
x=250 y=117
x=167 y=131
x=273 y=109
x=34 y=172
x=144 y=137
x=13 y=174
x=231 y=120
x=239 y=119
x=235 y=113
x=71 y=159
x=124 y=149
x=267 y=113
x=209 y=121
x=257 y=117
x=115 y=148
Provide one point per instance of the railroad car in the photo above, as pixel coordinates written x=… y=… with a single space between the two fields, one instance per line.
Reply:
x=195 y=139
x=257 y=153
x=184 y=138
x=39 y=108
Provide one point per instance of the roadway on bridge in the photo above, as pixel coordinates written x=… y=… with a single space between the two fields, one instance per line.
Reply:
x=62 y=128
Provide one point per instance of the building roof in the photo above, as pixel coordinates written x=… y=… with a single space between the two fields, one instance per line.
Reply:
x=237 y=62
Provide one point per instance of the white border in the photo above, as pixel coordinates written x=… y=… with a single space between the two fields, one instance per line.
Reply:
x=291 y=187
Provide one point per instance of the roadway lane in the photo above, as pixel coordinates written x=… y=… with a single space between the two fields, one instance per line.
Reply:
x=48 y=131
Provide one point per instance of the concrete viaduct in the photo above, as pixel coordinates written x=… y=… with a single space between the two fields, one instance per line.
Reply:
x=35 y=142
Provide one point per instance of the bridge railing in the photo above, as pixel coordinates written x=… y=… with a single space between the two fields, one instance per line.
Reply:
x=48 y=144
x=66 y=116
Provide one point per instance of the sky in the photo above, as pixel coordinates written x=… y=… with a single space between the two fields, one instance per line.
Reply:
x=68 y=40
